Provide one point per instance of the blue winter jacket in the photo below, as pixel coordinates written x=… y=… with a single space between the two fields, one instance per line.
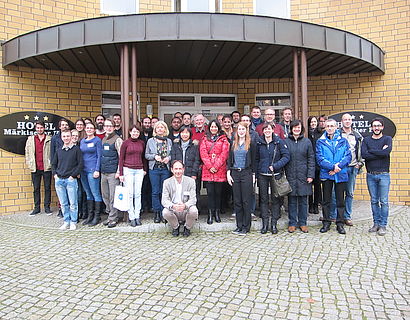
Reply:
x=265 y=153
x=331 y=152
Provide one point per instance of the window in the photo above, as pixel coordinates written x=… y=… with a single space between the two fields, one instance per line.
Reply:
x=272 y=8
x=277 y=101
x=197 y=5
x=111 y=104
x=119 y=6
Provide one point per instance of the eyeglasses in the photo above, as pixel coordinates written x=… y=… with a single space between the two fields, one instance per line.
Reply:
x=269 y=114
x=108 y=125
x=377 y=125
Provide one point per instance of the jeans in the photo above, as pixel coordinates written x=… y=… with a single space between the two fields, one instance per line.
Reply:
x=264 y=183
x=298 y=211
x=36 y=179
x=67 y=195
x=242 y=180
x=133 y=179
x=91 y=186
x=379 y=185
x=350 y=185
x=157 y=177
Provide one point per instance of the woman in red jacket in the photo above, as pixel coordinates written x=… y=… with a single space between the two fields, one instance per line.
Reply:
x=214 y=151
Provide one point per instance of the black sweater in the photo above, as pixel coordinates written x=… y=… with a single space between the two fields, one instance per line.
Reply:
x=67 y=162
x=376 y=158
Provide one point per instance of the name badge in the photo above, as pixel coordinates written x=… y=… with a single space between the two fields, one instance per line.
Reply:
x=106 y=147
x=90 y=145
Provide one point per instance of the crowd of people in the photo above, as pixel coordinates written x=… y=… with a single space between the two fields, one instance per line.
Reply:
x=164 y=168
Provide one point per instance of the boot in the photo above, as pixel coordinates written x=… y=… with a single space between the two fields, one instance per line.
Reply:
x=326 y=227
x=157 y=217
x=274 y=228
x=83 y=206
x=340 y=228
x=90 y=212
x=161 y=217
x=210 y=217
x=218 y=215
x=97 y=212
x=265 y=225
x=315 y=209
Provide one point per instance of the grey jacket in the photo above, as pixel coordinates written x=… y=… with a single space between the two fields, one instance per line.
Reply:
x=188 y=192
x=151 y=152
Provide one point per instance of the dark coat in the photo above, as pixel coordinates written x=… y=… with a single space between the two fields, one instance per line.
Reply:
x=265 y=154
x=301 y=165
x=192 y=159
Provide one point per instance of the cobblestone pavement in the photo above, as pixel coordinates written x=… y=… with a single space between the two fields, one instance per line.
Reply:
x=50 y=274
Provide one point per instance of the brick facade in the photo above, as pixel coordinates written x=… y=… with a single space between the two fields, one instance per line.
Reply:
x=79 y=95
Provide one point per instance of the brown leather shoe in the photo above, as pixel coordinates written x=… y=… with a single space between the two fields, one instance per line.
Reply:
x=304 y=229
x=291 y=229
x=348 y=222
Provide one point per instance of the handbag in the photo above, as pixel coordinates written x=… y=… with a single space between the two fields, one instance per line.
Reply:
x=121 y=198
x=281 y=186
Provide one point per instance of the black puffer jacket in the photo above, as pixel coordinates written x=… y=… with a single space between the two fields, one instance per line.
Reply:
x=301 y=165
x=192 y=159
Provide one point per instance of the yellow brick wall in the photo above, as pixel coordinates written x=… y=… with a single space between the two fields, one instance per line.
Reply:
x=147 y=6
x=235 y=6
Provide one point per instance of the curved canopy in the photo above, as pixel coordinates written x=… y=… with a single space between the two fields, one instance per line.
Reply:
x=194 y=46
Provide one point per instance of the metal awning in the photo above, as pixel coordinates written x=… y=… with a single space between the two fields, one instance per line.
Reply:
x=194 y=46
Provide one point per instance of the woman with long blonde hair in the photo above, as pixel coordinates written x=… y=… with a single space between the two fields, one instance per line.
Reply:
x=241 y=176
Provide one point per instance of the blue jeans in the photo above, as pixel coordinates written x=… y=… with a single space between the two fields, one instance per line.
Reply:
x=378 y=186
x=157 y=177
x=350 y=185
x=67 y=195
x=298 y=210
x=91 y=186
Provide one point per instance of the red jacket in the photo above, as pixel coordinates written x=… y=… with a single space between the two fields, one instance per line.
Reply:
x=214 y=155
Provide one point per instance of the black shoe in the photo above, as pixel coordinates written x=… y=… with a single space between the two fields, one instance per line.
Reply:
x=265 y=226
x=236 y=231
x=315 y=209
x=217 y=215
x=48 y=211
x=274 y=228
x=242 y=233
x=60 y=213
x=157 y=217
x=175 y=232
x=340 y=229
x=133 y=223
x=34 y=212
x=210 y=217
x=138 y=222
x=187 y=232
x=112 y=224
x=325 y=228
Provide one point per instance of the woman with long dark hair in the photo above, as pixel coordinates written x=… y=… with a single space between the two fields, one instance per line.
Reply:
x=300 y=172
x=271 y=157
x=240 y=175
x=214 y=150
x=158 y=154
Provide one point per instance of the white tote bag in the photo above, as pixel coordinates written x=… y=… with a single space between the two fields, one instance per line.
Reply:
x=121 y=198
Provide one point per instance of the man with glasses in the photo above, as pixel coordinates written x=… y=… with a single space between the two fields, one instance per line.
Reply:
x=376 y=151
x=270 y=119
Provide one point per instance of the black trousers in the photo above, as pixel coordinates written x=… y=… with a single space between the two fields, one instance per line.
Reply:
x=316 y=198
x=242 y=191
x=264 y=183
x=146 y=193
x=340 y=191
x=214 y=192
x=36 y=179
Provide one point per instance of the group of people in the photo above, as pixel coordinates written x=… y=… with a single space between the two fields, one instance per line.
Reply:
x=231 y=154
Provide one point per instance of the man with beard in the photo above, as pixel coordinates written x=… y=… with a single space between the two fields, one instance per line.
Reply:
x=99 y=123
x=376 y=151
x=146 y=190
x=236 y=117
x=116 y=118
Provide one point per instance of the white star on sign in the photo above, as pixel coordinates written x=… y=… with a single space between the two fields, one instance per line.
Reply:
x=26 y=117
x=353 y=117
x=45 y=118
x=35 y=117
x=361 y=116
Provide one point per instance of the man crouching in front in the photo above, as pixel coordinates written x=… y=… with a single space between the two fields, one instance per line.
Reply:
x=179 y=200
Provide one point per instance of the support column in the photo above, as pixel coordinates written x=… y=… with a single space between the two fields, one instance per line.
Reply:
x=126 y=91
x=303 y=75
x=123 y=120
x=295 y=84
x=134 y=83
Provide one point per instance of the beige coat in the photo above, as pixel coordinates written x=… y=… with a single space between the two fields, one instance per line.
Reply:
x=188 y=191
x=31 y=153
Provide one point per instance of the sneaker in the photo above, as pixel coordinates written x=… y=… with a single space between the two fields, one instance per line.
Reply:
x=34 y=212
x=64 y=226
x=381 y=231
x=253 y=217
x=375 y=228
x=242 y=233
x=73 y=226
x=48 y=211
x=112 y=224
x=236 y=231
x=138 y=222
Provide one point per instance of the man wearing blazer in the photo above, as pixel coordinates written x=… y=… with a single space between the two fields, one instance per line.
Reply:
x=179 y=200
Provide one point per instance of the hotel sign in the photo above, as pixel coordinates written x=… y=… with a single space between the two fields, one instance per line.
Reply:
x=16 y=127
x=361 y=122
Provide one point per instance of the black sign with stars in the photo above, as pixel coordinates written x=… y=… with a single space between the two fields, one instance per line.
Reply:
x=16 y=127
x=361 y=122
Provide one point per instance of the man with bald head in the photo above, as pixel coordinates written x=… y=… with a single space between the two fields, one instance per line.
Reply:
x=270 y=119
